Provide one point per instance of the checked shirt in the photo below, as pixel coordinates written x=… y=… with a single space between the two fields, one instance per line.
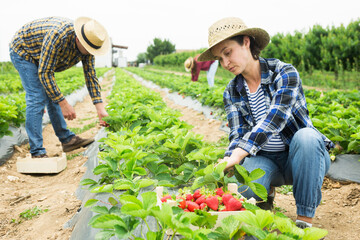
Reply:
x=50 y=44
x=285 y=103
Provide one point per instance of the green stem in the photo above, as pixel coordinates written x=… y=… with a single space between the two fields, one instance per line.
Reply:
x=147 y=225
x=174 y=233
x=244 y=190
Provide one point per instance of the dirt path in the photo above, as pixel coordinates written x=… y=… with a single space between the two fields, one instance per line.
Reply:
x=339 y=212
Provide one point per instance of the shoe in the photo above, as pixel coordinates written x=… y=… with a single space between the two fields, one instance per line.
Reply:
x=269 y=204
x=75 y=143
x=302 y=225
x=40 y=156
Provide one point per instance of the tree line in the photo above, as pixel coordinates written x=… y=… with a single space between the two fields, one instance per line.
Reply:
x=331 y=49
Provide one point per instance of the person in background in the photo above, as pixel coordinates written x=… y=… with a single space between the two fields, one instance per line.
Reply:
x=193 y=65
x=49 y=45
x=269 y=122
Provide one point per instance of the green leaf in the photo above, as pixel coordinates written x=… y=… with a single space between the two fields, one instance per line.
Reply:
x=134 y=210
x=104 y=235
x=165 y=183
x=149 y=199
x=314 y=233
x=139 y=171
x=100 y=169
x=108 y=221
x=112 y=201
x=256 y=174
x=100 y=209
x=90 y=202
x=130 y=199
x=337 y=139
x=219 y=169
x=354 y=146
x=145 y=183
x=260 y=191
x=204 y=219
x=164 y=215
x=259 y=219
x=241 y=174
x=88 y=181
x=123 y=184
x=101 y=189
x=121 y=232
x=230 y=225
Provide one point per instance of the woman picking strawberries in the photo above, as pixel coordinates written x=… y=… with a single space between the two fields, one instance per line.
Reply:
x=269 y=122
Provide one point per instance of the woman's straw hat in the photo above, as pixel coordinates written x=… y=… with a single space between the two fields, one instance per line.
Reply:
x=230 y=27
x=92 y=35
x=188 y=64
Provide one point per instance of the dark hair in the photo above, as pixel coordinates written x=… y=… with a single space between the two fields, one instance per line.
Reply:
x=254 y=47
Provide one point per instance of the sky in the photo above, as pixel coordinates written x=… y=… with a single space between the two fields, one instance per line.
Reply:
x=185 y=23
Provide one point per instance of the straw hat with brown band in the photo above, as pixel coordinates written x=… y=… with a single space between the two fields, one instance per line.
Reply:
x=92 y=35
x=230 y=27
x=189 y=64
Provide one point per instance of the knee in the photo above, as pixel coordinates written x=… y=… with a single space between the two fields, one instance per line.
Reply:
x=306 y=138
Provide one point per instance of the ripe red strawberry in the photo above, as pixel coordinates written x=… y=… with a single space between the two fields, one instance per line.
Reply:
x=226 y=197
x=203 y=206
x=191 y=206
x=165 y=198
x=201 y=199
x=197 y=194
x=219 y=191
x=233 y=205
x=182 y=202
x=189 y=197
x=212 y=202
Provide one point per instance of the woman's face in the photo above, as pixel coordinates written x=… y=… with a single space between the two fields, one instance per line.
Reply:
x=232 y=56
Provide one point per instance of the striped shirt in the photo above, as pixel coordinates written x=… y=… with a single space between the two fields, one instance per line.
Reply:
x=50 y=44
x=258 y=109
x=285 y=103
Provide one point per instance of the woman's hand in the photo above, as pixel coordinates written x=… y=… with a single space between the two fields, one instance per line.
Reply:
x=236 y=157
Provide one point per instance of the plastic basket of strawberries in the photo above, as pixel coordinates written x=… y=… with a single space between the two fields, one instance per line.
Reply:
x=216 y=202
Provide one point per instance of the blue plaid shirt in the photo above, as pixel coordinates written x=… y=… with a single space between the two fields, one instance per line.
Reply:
x=286 y=108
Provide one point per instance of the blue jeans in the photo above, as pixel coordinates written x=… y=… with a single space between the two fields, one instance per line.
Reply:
x=210 y=74
x=36 y=100
x=303 y=165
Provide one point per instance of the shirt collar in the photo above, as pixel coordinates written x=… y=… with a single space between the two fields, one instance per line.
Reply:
x=266 y=74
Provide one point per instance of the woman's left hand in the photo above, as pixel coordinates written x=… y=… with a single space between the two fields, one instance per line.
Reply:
x=236 y=157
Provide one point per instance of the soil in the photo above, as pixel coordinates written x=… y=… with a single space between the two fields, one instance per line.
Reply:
x=339 y=211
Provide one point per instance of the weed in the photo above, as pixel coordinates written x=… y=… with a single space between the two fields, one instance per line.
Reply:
x=29 y=214
x=83 y=129
x=72 y=156
x=285 y=189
